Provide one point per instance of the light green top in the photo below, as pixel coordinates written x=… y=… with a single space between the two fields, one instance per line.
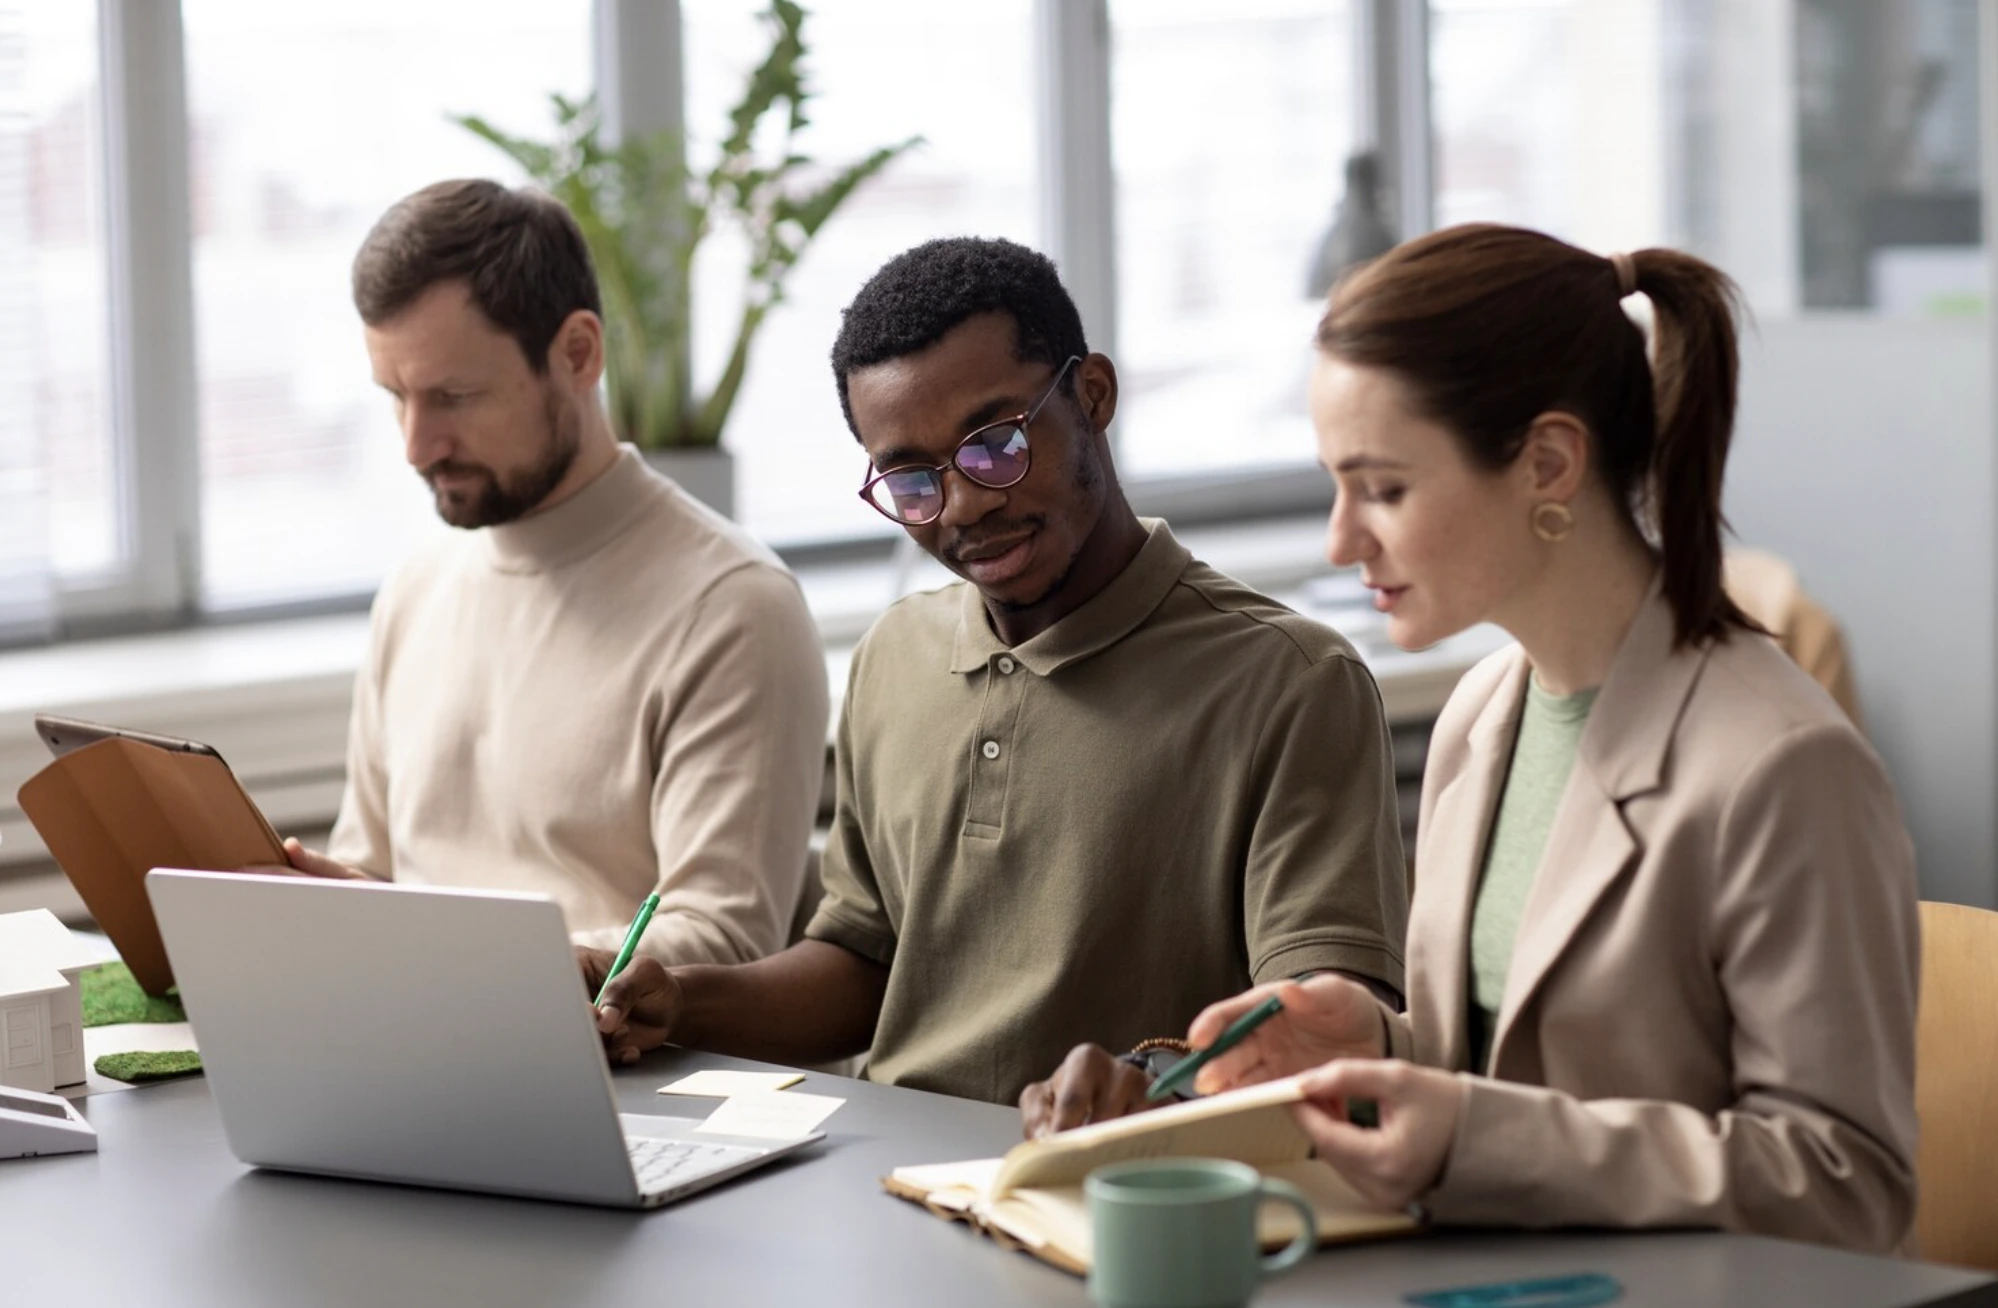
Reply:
x=1543 y=754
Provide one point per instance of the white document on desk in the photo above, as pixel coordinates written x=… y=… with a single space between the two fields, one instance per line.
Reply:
x=771 y=1115
x=713 y=1083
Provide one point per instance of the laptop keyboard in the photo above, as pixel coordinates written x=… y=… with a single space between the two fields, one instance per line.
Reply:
x=665 y=1164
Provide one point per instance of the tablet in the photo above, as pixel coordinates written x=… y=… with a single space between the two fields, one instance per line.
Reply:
x=114 y=804
x=62 y=735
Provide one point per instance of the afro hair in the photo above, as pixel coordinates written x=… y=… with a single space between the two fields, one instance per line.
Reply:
x=920 y=295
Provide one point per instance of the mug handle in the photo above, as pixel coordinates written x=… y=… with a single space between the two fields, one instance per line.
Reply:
x=1283 y=1192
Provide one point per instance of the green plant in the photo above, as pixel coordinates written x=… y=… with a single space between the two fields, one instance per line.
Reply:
x=644 y=212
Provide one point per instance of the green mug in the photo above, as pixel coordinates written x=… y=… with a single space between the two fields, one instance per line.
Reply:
x=1181 y=1232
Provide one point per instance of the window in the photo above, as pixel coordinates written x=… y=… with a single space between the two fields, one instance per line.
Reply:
x=1230 y=130
x=878 y=76
x=1887 y=154
x=1549 y=114
x=59 y=485
x=1823 y=152
x=305 y=123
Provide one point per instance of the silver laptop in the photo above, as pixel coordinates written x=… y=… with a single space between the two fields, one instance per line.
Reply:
x=430 y=1037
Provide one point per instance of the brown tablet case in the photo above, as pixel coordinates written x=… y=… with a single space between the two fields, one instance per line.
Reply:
x=112 y=811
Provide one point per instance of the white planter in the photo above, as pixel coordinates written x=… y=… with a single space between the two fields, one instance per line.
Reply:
x=706 y=474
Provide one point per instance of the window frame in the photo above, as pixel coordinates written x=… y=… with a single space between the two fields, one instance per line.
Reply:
x=155 y=434
x=154 y=402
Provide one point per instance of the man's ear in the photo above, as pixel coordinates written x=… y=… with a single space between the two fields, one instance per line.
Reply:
x=1554 y=459
x=576 y=355
x=1096 y=391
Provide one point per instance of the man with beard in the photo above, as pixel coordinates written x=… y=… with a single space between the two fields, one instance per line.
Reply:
x=598 y=688
x=1082 y=795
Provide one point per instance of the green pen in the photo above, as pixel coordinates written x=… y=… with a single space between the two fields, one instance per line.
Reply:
x=630 y=943
x=1238 y=1030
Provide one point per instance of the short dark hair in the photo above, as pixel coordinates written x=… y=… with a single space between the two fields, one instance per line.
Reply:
x=921 y=294
x=519 y=251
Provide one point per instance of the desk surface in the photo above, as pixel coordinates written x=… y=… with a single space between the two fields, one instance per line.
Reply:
x=164 y=1215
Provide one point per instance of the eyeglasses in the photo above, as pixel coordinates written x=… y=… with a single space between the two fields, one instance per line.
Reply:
x=995 y=456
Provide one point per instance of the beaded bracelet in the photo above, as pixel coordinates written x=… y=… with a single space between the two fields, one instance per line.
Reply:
x=1141 y=1053
x=1162 y=1042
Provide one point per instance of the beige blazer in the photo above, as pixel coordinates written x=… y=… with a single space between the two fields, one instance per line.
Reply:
x=1710 y=1017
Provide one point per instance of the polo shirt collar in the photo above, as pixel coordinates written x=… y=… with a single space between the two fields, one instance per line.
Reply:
x=1110 y=615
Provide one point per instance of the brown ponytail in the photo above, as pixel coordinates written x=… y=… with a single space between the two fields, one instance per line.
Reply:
x=1694 y=369
x=1490 y=327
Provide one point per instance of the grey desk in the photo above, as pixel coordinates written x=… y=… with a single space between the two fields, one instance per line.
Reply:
x=163 y=1215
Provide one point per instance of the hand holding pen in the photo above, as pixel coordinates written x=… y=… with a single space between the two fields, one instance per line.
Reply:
x=1323 y=1017
x=636 y=998
x=1315 y=1020
x=1237 y=1031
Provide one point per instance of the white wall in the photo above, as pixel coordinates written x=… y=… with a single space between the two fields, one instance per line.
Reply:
x=1864 y=454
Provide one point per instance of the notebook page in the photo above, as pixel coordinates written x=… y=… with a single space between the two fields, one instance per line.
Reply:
x=953 y=1185
x=1056 y=1219
x=1342 y=1213
x=1252 y=1125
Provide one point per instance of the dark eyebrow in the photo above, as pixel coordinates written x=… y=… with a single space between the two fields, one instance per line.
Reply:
x=901 y=456
x=1362 y=462
x=449 y=385
x=1005 y=406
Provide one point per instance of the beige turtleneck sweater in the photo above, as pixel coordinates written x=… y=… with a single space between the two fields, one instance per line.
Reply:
x=622 y=694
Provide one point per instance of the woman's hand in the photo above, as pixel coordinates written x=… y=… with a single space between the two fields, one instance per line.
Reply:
x=1324 y=1017
x=1400 y=1160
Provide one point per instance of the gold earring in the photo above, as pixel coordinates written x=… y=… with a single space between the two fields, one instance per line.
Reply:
x=1553 y=521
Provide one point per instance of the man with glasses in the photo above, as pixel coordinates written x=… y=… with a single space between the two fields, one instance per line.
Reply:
x=1081 y=796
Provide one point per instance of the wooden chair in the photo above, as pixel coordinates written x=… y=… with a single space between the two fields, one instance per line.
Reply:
x=1956 y=1087
x=1767 y=589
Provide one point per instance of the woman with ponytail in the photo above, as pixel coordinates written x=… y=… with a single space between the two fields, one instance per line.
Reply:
x=1663 y=950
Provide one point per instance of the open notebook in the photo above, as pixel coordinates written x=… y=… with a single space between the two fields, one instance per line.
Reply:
x=1032 y=1198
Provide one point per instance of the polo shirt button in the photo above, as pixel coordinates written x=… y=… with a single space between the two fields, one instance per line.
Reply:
x=990 y=749
x=1007 y=665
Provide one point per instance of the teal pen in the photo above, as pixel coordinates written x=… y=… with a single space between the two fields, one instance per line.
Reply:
x=1583 y=1290
x=1183 y=1071
x=630 y=943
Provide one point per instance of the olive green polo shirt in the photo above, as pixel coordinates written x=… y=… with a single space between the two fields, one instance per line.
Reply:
x=1178 y=790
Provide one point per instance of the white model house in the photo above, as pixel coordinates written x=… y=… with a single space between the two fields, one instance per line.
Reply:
x=27 y=1047
x=41 y=1004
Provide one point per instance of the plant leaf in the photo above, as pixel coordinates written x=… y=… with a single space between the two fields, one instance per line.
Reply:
x=644 y=213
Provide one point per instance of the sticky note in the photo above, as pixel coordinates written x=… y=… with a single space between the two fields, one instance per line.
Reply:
x=770 y=1115
x=715 y=1084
